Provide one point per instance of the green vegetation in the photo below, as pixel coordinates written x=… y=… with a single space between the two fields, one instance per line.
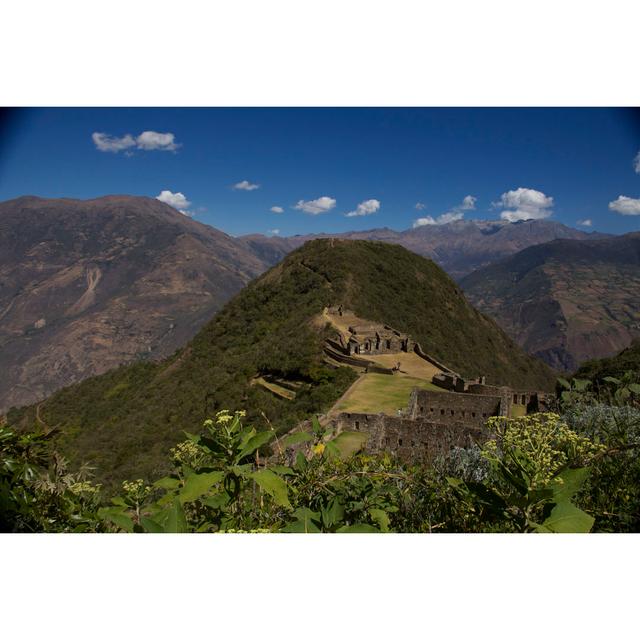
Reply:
x=627 y=361
x=124 y=422
x=380 y=393
x=543 y=473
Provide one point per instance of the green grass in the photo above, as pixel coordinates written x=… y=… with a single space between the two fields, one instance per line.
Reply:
x=379 y=393
x=518 y=410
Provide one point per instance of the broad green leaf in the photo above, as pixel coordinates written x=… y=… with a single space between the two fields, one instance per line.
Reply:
x=333 y=513
x=218 y=501
x=166 y=483
x=567 y=518
x=568 y=483
x=564 y=383
x=301 y=462
x=358 y=528
x=117 y=517
x=305 y=522
x=301 y=526
x=296 y=438
x=634 y=388
x=151 y=526
x=246 y=435
x=198 y=484
x=317 y=428
x=275 y=486
x=581 y=385
x=282 y=470
x=176 y=521
x=381 y=518
x=611 y=379
x=347 y=443
x=254 y=443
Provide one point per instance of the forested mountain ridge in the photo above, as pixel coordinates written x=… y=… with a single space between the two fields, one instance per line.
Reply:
x=125 y=420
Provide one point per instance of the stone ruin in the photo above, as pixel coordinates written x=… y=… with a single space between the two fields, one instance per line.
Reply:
x=371 y=339
x=434 y=421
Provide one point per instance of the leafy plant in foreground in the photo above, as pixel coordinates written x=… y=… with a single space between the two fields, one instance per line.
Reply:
x=537 y=464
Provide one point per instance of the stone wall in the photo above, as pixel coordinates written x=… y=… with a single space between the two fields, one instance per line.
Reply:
x=355 y=361
x=377 y=345
x=449 y=382
x=425 y=356
x=411 y=440
x=504 y=393
x=453 y=408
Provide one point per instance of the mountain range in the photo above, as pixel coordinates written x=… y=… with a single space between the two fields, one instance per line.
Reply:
x=458 y=247
x=565 y=301
x=88 y=285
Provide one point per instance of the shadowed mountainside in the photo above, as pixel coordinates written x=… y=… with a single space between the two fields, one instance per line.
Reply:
x=565 y=301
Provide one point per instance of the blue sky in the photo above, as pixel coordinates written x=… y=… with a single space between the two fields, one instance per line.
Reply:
x=565 y=164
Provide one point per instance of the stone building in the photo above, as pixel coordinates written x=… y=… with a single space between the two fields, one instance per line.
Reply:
x=375 y=339
x=436 y=421
x=412 y=440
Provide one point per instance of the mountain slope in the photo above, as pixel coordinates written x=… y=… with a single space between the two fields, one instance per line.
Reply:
x=88 y=285
x=125 y=420
x=565 y=301
x=458 y=247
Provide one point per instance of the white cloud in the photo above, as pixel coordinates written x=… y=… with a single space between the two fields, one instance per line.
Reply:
x=457 y=213
x=146 y=141
x=176 y=200
x=423 y=222
x=245 y=185
x=365 y=208
x=274 y=232
x=636 y=163
x=277 y=209
x=154 y=141
x=442 y=219
x=524 y=204
x=105 y=142
x=626 y=206
x=587 y=222
x=468 y=203
x=420 y=206
x=314 y=207
x=450 y=216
